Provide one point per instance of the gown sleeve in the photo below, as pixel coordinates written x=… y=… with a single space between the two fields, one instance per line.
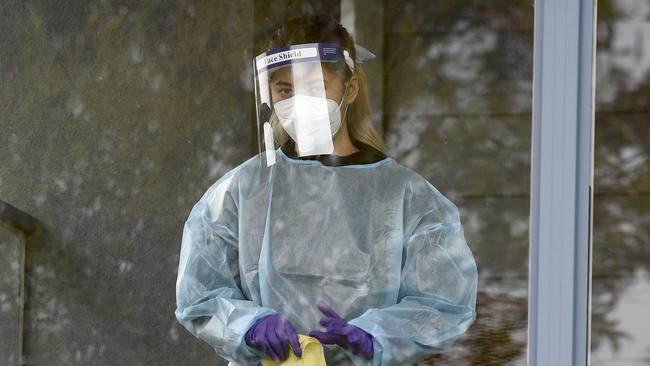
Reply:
x=438 y=284
x=209 y=301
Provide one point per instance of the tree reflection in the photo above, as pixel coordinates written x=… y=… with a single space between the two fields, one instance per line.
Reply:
x=9 y=295
x=622 y=170
x=119 y=114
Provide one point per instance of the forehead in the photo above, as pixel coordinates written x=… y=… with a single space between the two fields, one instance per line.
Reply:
x=302 y=71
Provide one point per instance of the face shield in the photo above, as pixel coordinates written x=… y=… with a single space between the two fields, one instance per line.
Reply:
x=294 y=101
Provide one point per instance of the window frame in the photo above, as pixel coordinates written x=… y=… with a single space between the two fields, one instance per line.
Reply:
x=561 y=182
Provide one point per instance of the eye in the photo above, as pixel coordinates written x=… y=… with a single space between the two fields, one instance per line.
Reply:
x=285 y=92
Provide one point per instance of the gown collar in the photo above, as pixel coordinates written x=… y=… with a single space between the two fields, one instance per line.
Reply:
x=366 y=155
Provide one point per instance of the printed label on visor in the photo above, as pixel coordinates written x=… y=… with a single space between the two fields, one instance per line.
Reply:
x=294 y=54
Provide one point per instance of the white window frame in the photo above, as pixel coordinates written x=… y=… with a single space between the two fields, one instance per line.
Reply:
x=561 y=182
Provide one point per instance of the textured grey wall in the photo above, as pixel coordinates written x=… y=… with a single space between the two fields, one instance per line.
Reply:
x=115 y=117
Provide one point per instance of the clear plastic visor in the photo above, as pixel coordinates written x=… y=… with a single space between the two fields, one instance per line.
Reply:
x=295 y=102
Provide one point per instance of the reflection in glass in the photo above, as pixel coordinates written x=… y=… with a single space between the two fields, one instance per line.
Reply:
x=621 y=241
x=118 y=114
x=9 y=296
x=457 y=109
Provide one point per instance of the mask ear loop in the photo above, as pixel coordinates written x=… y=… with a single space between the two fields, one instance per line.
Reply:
x=343 y=119
x=345 y=91
x=350 y=63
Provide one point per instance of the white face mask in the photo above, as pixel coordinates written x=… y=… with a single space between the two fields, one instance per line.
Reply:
x=309 y=115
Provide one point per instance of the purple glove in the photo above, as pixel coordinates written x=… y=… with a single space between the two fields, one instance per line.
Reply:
x=273 y=334
x=340 y=332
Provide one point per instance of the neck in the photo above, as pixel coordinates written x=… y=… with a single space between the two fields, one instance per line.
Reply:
x=342 y=144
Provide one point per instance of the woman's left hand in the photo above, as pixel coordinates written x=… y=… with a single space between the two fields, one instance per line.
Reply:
x=339 y=332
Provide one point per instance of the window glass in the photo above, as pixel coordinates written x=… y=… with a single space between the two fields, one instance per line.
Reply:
x=621 y=226
x=457 y=109
x=9 y=296
x=118 y=115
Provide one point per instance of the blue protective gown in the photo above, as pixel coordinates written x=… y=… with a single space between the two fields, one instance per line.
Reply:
x=376 y=240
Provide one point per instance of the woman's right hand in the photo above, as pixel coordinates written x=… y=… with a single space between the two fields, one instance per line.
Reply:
x=273 y=334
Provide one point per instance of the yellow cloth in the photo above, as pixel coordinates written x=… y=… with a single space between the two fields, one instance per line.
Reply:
x=312 y=354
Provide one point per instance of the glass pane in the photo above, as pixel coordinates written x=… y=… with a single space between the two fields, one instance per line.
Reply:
x=115 y=114
x=9 y=296
x=621 y=244
x=457 y=109
x=120 y=114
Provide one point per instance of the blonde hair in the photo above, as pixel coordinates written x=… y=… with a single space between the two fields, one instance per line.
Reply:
x=357 y=119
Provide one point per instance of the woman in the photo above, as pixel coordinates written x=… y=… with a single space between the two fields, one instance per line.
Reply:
x=326 y=235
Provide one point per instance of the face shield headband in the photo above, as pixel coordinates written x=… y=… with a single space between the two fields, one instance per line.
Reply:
x=308 y=52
